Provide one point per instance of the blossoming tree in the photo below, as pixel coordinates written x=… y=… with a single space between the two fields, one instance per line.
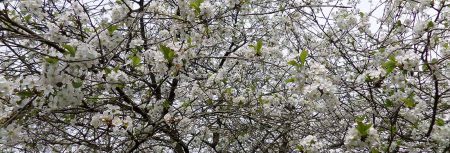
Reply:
x=224 y=76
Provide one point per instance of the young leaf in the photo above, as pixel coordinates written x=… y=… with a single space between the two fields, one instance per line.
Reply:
x=196 y=6
x=440 y=122
x=430 y=25
x=51 y=60
x=388 y=103
x=166 y=104
x=107 y=70
x=258 y=47
x=409 y=102
x=135 y=61
x=290 y=80
x=27 y=18
x=361 y=14
x=390 y=65
x=374 y=150
x=186 y=104
x=168 y=53
x=303 y=56
x=189 y=41
x=363 y=129
x=25 y=94
x=112 y=28
x=209 y=102
x=299 y=148
x=72 y=50
x=77 y=84
x=398 y=24
x=116 y=69
x=293 y=63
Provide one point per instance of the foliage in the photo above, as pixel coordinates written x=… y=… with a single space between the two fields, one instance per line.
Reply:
x=224 y=76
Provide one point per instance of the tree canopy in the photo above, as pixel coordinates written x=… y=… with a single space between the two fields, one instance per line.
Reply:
x=225 y=76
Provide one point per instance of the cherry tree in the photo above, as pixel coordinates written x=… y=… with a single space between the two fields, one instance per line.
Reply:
x=224 y=76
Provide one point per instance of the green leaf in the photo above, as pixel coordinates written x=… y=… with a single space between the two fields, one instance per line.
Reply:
x=374 y=150
x=135 y=61
x=290 y=80
x=368 y=78
x=382 y=49
x=440 y=122
x=196 y=6
x=207 y=31
x=116 y=69
x=258 y=47
x=229 y=91
x=77 y=84
x=241 y=104
x=25 y=94
x=260 y=100
x=293 y=63
x=27 y=18
x=424 y=67
x=398 y=142
x=134 y=50
x=189 y=41
x=72 y=50
x=209 y=102
x=69 y=116
x=252 y=87
x=393 y=129
x=360 y=118
x=112 y=28
x=166 y=104
x=186 y=104
x=299 y=148
x=363 y=129
x=409 y=102
x=388 y=103
x=430 y=25
x=52 y=60
x=281 y=7
x=168 y=53
x=390 y=65
x=303 y=56
x=398 y=24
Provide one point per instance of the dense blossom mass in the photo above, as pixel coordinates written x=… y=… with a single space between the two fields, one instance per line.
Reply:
x=225 y=76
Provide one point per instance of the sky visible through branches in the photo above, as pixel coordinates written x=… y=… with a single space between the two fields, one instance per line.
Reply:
x=224 y=76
